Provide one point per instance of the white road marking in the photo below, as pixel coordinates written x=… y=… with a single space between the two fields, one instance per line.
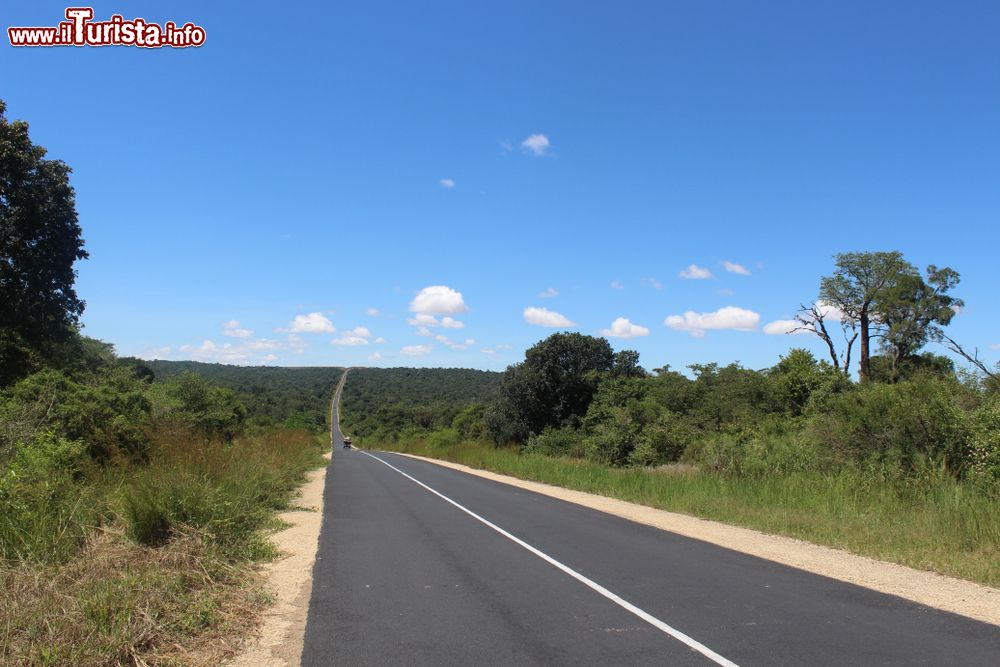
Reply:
x=624 y=604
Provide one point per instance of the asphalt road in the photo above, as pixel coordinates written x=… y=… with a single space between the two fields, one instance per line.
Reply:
x=495 y=575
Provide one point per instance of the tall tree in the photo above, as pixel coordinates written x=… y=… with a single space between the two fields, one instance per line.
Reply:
x=859 y=280
x=553 y=386
x=40 y=240
x=913 y=311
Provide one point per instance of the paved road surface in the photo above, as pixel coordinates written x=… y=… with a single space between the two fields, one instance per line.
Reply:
x=405 y=576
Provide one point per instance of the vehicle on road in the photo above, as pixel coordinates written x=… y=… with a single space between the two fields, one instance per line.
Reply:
x=347 y=442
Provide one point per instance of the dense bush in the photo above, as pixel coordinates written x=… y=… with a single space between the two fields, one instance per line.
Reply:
x=982 y=455
x=897 y=424
x=45 y=504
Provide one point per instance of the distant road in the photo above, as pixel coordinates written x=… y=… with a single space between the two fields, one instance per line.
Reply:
x=424 y=565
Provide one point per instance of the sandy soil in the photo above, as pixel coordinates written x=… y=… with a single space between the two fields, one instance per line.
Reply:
x=934 y=590
x=289 y=578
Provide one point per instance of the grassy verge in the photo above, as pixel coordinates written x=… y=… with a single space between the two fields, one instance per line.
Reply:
x=936 y=524
x=158 y=568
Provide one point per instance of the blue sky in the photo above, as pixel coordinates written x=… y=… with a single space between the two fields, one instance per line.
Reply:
x=334 y=158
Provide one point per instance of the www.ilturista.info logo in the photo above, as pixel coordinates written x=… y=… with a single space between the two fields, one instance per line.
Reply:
x=81 y=30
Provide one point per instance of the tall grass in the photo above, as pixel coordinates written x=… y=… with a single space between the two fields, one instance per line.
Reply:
x=932 y=522
x=142 y=563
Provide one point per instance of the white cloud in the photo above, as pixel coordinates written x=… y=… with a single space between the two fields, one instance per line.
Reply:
x=444 y=340
x=617 y=284
x=232 y=328
x=356 y=336
x=296 y=343
x=311 y=323
x=725 y=291
x=372 y=312
x=733 y=267
x=503 y=346
x=438 y=300
x=271 y=357
x=994 y=346
x=379 y=340
x=544 y=317
x=238 y=333
x=830 y=312
x=622 y=328
x=536 y=144
x=548 y=293
x=695 y=272
x=424 y=331
x=416 y=350
x=422 y=319
x=447 y=183
x=729 y=317
x=349 y=341
x=226 y=353
x=374 y=356
x=262 y=344
x=487 y=350
x=779 y=327
x=652 y=282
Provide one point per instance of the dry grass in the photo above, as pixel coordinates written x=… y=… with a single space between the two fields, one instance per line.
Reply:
x=120 y=603
x=187 y=593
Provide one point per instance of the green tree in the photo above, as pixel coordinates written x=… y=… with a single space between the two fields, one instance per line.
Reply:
x=40 y=240
x=859 y=281
x=553 y=386
x=913 y=311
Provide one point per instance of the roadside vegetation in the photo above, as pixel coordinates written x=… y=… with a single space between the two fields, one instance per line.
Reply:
x=133 y=506
x=900 y=462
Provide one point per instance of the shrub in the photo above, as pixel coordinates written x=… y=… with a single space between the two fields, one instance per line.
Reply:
x=445 y=437
x=565 y=441
x=45 y=507
x=896 y=424
x=982 y=455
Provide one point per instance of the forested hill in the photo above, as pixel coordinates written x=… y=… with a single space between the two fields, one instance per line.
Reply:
x=394 y=399
x=271 y=393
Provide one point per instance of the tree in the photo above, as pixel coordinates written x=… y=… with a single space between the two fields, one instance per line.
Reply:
x=859 y=281
x=40 y=240
x=553 y=386
x=913 y=312
x=813 y=318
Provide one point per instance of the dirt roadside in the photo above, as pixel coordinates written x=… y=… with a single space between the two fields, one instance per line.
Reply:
x=289 y=578
x=934 y=590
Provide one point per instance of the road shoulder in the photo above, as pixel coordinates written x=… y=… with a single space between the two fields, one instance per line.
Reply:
x=289 y=578
x=928 y=588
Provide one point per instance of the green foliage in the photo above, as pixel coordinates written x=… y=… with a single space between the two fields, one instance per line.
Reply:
x=798 y=376
x=215 y=412
x=897 y=425
x=566 y=441
x=40 y=240
x=553 y=386
x=380 y=404
x=273 y=396
x=109 y=412
x=982 y=456
x=45 y=504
